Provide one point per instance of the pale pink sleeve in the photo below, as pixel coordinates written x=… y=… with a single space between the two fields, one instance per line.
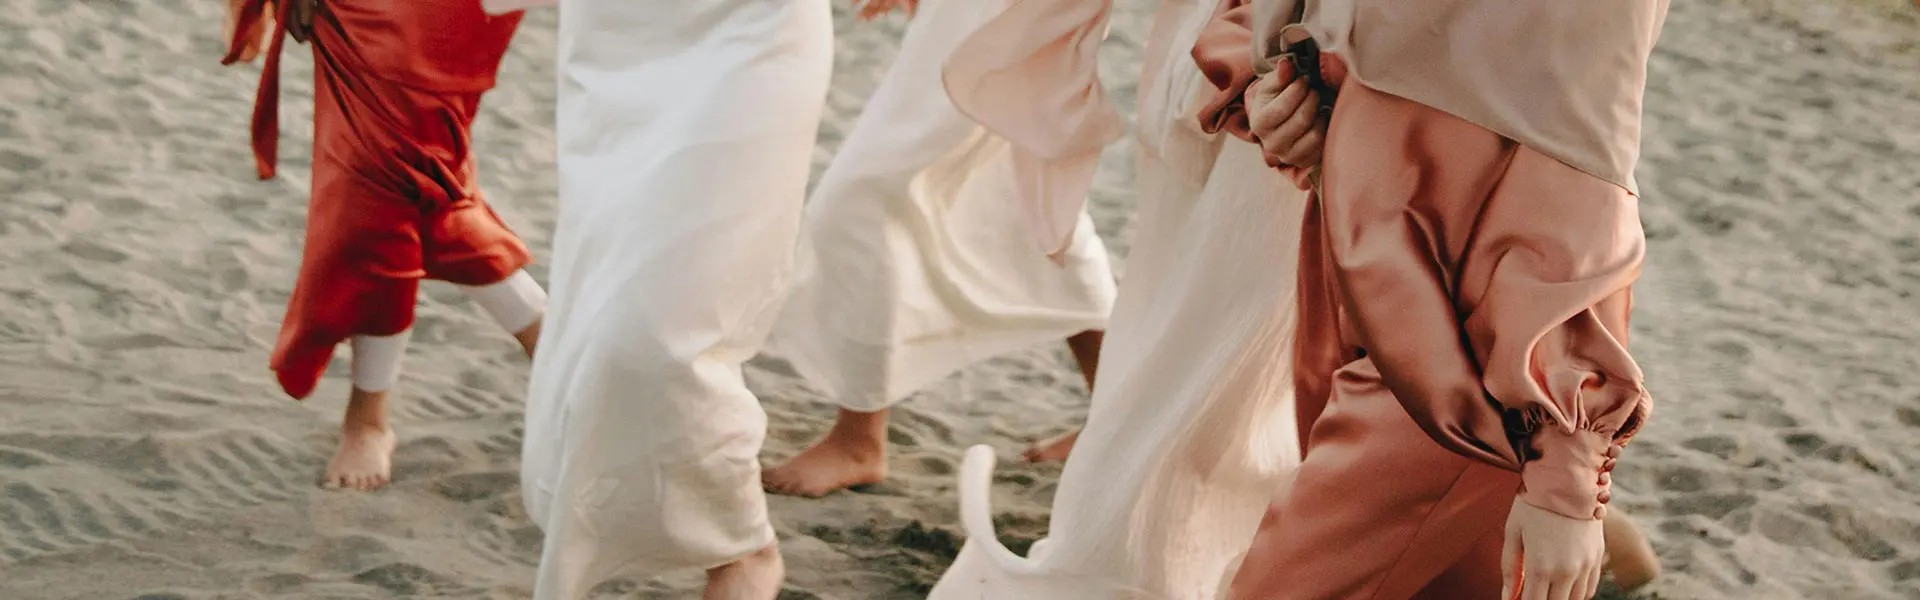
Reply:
x=1221 y=53
x=1031 y=75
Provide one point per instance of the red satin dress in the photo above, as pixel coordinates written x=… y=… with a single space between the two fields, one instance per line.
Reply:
x=395 y=195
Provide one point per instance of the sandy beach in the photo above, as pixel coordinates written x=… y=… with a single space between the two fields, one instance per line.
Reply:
x=145 y=451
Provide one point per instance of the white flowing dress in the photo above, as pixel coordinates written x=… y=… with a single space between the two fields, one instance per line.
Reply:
x=1191 y=429
x=684 y=131
x=917 y=261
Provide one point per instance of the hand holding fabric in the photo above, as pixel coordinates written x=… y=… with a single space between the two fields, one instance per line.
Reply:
x=1283 y=113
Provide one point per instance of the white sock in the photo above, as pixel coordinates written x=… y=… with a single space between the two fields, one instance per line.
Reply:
x=514 y=303
x=376 y=360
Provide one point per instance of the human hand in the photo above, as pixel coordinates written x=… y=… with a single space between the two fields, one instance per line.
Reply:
x=873 y=9
x=301 y=25
x=1283 y=112
x=1550 y=557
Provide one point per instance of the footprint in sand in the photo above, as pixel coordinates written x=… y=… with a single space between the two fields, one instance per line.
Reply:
x=411 y=580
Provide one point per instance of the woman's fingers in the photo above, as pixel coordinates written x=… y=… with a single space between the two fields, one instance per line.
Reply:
x=1267 y=117
x=1303 y=118
x=1306 y=151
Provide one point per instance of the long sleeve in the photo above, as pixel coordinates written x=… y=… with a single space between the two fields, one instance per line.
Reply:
x=1552 y=335
x=1224 y=52
x=1488 y=286
x=1221 y=52
x=1031 y=75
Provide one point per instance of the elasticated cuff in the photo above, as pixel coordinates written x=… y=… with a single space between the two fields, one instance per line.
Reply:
x=1571 y=474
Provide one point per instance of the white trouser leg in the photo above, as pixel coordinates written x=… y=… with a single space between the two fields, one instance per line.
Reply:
x=514 y=303
x=376 y=360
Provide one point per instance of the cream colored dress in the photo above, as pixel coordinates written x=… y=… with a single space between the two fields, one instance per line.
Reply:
x=684 y=135
x=1191 y=429
x=917 y=259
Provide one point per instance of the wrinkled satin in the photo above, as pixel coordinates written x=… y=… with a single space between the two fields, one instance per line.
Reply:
x=1433 y=232
x=1030 y=75
x=1448 y=268
x=915 y=261
x=395 y=195
x=1221 y=52
x=1545 y=362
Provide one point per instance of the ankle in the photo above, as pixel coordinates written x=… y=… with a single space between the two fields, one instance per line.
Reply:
x=352 y=425
x=862 y=434
x=365 y=411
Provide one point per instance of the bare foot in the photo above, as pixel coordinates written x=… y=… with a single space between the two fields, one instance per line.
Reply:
x=1629 y=557
x=364 y=460
x=755 y=577
x=853 y=453
x=1053 y=450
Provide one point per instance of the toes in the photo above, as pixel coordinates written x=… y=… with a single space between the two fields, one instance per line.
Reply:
x=780 y=485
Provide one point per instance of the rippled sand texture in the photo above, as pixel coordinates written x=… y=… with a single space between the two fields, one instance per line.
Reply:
x=144 y=451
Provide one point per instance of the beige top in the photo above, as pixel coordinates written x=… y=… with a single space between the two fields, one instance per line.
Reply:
x=1564 y=77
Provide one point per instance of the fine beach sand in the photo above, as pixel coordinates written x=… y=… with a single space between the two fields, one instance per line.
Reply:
x=145 y=452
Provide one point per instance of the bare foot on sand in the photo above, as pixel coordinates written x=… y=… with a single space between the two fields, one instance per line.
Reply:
x=755 y=577
x=1086 y=351
x=853 y=453
x=364 y=460
x=1630 y=558
x=1053 y=450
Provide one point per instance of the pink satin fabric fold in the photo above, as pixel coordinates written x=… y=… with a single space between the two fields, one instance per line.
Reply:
x=1221 y=53
x=1030 y=75
x=1487 y=283
x=1457 y=289
x=1493 y=327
